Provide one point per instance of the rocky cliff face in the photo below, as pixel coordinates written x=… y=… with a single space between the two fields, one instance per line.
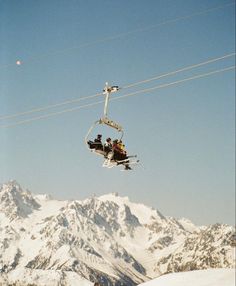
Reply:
x=212 y=247
x=105 y=238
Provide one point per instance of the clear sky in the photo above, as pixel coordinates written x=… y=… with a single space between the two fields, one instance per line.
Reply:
x=183 y=134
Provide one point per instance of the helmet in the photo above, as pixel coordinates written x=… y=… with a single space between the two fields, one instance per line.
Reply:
x=108 y=139
x=99 y=135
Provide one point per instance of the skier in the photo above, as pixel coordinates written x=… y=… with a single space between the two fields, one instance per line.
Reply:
x=121 y=146
x=97 y=143
x=107 y=146
x=119 y=154
x=98 y=139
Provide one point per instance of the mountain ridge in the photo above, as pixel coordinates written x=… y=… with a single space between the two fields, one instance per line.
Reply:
x=106 y=238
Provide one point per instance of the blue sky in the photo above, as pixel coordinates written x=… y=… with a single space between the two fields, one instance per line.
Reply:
x=183 y=134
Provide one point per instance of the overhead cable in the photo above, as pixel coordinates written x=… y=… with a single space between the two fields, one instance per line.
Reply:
x=118 y=97
x=43 y=108
x=34 y=110
x=175 y=82
x=179 y=70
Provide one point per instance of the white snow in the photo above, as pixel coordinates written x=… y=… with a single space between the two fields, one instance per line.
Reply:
x=34 y=223
x=109 y=234
x=188 y=225
x=209 y=277
x=145 y=214
x=46 y=277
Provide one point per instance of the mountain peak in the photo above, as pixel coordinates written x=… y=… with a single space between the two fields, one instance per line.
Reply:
x=11 y=184
x=15 y=202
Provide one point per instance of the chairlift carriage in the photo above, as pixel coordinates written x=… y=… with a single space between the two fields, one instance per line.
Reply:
x=112 y=158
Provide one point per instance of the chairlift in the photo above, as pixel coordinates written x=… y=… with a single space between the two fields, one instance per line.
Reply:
x=97 y=146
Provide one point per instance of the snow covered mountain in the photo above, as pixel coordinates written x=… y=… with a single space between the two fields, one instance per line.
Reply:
x=105 y=238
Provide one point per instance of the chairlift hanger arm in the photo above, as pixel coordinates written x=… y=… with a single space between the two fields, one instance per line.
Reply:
x=107 y=91
x=89 y=132
x=105 y=120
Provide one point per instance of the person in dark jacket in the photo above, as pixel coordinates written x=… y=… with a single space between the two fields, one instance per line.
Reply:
x=119 y=153
x=107 y=146
x=98 y=139
x=97 y=143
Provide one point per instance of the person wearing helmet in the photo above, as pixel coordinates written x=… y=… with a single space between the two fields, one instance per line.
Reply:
x=121 y=146
x=107 y=146
x=119 y=154
x=97 y=143
x=98 y=139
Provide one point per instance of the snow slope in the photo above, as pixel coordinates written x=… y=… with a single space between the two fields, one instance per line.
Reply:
x=210 y=277
x=36 y=277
